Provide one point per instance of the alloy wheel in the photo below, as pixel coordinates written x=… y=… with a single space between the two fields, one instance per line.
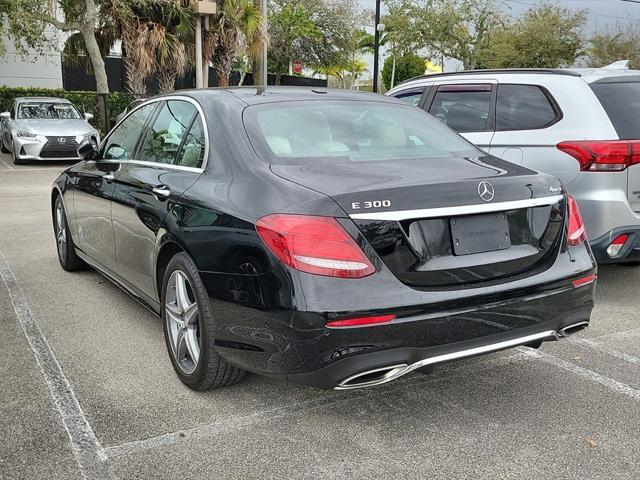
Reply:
x=61 y=232
x=181 y=315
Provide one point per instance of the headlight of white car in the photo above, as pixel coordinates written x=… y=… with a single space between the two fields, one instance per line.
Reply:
x=25 y=134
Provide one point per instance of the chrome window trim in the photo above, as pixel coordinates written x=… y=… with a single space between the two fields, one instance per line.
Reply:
x=205 y=128
x=401 y=215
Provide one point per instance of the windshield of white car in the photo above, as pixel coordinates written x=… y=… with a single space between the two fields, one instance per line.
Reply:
x=47 y=110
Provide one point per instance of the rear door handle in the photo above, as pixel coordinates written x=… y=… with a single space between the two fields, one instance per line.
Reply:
x=161 y=191
x=108 y=177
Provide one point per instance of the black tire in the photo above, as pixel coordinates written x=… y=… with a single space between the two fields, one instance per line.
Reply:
x=211 y=370
x=69 y=259
x=3 y=148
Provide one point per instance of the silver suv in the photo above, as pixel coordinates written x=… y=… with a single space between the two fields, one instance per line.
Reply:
x=581 y=125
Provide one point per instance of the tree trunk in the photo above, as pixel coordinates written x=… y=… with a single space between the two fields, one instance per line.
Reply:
x=88 y=32
x=278 y=78
x=393 y=72
x=167 y=80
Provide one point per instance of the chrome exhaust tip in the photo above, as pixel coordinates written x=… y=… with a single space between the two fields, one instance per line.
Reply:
x=573 y=328
x=370 y=378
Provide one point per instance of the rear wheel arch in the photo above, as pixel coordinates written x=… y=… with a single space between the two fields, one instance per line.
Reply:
x=165 y=254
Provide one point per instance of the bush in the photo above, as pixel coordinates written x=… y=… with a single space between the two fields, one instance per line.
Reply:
x=407 y=67
x=85 y=101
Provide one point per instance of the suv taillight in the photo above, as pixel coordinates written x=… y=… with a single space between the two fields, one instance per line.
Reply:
x=311 y=244
x=576 y=233
x=604 y=155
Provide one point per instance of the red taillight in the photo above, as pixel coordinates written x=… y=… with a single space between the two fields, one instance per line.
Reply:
x=316 y=245
x=581 y=282
x=604 y=155
x=576 y=233
x=360 y=321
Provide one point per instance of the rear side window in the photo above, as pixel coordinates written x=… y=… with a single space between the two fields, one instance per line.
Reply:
x=164 y=138
x=524 y=107
x=621 y=101
x=411 y=95
x=465 y=108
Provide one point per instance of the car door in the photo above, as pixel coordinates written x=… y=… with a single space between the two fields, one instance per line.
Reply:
x=168 y=160
x=467 y=107
x=93 y=184
x=6 y=126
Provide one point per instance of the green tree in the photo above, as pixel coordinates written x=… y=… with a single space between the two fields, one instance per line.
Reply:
x=544 y=37
x=406 y=67
x=606 y=48
x=239 y=30
x=320 y=33
x=26 y=22
x=454 y=28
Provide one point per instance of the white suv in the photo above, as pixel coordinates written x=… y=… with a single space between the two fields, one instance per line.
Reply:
x=581 y=125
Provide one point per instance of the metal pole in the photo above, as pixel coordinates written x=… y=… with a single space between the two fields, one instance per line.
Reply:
x=264 y=47
x=376 y=48
x=199 y=82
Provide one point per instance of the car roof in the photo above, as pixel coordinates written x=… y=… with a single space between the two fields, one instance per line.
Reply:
x=588 y=75
x=257 y=95
x=42 y=99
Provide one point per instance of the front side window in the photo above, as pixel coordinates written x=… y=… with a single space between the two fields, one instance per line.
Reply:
x=308 y=132
x=46 y=111
x=411 y=96
x=464 y=108
x=163 y=140
x=122 y=141
x=523 y=107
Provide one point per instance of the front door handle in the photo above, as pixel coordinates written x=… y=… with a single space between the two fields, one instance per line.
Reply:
x=161 y=192
x=108 y=177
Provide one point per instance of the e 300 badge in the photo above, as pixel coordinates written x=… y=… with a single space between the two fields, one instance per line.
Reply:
x=371 y=204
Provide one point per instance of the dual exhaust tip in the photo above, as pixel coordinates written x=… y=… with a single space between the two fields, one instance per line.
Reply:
x=382 y=375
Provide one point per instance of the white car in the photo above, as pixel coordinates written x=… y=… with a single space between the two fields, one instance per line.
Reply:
x=44 y=128
x=581 y=125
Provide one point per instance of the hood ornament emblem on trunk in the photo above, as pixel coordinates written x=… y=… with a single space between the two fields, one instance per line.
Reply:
x=486 y=191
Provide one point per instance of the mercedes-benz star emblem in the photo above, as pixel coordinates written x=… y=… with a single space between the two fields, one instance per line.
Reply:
x=486 y=192
x=62 y=140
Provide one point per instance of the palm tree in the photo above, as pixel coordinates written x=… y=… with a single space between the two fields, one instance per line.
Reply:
x=239 y=29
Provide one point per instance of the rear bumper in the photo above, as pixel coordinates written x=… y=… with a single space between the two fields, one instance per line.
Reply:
x=297 y=347
x=630 y=253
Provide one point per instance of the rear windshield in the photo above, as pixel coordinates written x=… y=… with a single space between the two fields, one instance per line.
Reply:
x=622 y=103
x=304 y=132
x=42 y=110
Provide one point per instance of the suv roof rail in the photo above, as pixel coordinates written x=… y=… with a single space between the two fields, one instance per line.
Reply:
x=551 y=71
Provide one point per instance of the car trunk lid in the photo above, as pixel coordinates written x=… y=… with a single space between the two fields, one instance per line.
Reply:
x=446 y=223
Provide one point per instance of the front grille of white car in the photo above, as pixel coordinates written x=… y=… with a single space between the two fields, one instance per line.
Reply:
x=60 y=147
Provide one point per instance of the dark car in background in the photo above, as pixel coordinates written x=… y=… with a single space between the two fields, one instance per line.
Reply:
x=332 y=239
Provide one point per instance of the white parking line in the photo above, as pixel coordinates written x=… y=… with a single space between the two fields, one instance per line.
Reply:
x=10 y=167
x=595 y=377
x=612 y=352
x=87 y=450
x=330 y=399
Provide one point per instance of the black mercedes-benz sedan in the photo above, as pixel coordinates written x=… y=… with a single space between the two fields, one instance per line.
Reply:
x=330 y=238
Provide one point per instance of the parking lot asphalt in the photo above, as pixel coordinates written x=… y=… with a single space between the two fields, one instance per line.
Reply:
x=87 y=390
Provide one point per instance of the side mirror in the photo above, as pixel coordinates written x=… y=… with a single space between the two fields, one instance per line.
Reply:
x=88 y=149
x=88 y=116
x=5 y=115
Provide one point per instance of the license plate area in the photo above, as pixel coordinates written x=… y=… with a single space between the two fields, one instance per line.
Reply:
x=480 y=233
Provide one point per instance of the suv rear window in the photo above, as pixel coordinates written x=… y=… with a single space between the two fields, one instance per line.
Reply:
x=621 y=101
